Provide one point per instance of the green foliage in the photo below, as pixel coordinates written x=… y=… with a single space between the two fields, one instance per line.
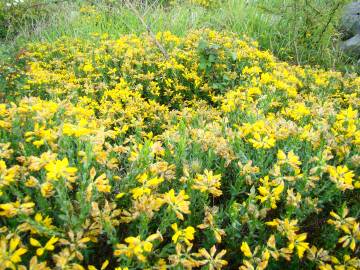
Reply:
x=24 y=15
x=305 y=31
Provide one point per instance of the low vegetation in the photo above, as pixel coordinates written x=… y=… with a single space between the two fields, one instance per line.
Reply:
x=214 y=155
x=164 y=134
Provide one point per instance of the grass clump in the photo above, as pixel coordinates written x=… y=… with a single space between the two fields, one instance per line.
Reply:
x=221 y=156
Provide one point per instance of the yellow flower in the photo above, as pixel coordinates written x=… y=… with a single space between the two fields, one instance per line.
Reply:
x=34 y=264
x=351 y=238
x=299 y=244
x=140 y=191
x=293 y=198
x=9 y=209
x=102 y=184
x=42 y=135
x=103 y=266
x=342 y=222
x=296 y=111
x=271 y=247
x=341 y=176
x=10 y=252
x=47 y=189
x=347 y=115
x=347 y=264
x=209 y=258
x=82 y=129
x=178 y=204
x=48 y=246
x=136 y=247
x=7 y=175
x=42 y=222
x=60 y=169
x=265 y=142
x=208 y=182
x=285 y=227
x=31 y=182
x=291 y=159
x=12 y=209
x=270 y=192
x=88 y=68
x=148 y=184
x=36 y=163
x=210 y=223
x=185 y=235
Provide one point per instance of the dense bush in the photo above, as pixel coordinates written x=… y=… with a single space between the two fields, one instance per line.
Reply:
x=113 y=156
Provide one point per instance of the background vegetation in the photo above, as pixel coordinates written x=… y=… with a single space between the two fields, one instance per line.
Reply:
x=299 y=31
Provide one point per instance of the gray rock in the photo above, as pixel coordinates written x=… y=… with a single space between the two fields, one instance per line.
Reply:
x=351 y=46
x=350 y=28
x=350 y=21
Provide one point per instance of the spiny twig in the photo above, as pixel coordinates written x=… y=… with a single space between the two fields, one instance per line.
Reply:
x=148 y=29
x=331 y=17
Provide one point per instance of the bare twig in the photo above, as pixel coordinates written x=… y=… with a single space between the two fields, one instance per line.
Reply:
x=331 y=16
x=148 y=29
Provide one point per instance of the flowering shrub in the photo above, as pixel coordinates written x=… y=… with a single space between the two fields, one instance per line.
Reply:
x=113 y=156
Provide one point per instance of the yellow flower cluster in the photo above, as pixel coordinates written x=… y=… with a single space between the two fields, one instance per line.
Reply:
x=115 y=156
x=205 y=3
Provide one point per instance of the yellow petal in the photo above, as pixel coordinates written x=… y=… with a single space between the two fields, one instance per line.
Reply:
x=34 y=242
x=104 y=265
x=352 y=245
x=14 y=243
x=246 y=249
x=40 y=251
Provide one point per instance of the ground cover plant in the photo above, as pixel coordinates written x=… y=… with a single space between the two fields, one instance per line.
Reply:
x=114 y=155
